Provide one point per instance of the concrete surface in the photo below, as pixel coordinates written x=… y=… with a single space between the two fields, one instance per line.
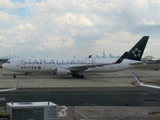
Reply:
x=110 y=113
x=113 y=79
x=105 y=113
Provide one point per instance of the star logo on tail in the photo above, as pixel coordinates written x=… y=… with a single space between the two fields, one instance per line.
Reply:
x=137 y=53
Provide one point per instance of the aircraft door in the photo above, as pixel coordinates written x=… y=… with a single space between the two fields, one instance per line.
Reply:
x=17 y=63
x=112 y=68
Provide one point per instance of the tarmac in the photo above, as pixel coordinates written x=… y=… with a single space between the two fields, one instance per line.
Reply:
x=97 y=80
x=105 y=113
x=108 y=113
x=45 y=80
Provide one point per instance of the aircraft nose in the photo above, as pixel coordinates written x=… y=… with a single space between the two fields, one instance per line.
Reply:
x=4 y=65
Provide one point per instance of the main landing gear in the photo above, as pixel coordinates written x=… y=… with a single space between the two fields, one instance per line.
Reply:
x=77 y=76
x=14 y=75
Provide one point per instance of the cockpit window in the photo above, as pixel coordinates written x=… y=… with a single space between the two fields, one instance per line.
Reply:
x=8 y=62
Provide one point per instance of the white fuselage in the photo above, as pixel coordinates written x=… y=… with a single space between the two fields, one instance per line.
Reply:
x=50 y=64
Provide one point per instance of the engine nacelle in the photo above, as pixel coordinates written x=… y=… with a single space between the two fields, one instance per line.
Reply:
x=62 y=72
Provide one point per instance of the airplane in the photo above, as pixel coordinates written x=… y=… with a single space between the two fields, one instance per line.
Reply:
x=77 y=66
x=142 y=84
x=10 y=89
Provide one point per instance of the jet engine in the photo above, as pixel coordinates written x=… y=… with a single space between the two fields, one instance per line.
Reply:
x=62 y=71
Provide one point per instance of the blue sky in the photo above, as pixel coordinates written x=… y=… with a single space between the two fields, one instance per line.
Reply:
x=76 y=27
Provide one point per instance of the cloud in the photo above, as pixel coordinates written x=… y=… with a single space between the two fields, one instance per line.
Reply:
x=40 y=48
x=121 y=42
x=20 y=27
x=145 y=22
x=6 y=4
x=26 y=26
x=75 y=20
x=4 y=16
x=58 y=42
x=66 y=28
x=2 y=38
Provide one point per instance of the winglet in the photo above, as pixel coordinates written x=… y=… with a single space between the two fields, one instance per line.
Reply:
x=121 y=58
x=10 y=89
x=137 y=78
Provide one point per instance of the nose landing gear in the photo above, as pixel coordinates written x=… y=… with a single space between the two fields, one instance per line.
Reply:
x=14 y=75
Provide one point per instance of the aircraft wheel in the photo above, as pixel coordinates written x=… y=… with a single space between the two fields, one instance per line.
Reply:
x=73 y=75
x=82 y=76
x=14 y=75
x=77 y=76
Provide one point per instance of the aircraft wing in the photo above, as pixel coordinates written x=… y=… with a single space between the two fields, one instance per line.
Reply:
x=142 y=84
x=10 y=89
x=84 y=67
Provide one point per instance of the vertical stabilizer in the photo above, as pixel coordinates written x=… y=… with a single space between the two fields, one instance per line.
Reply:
x=137 y=51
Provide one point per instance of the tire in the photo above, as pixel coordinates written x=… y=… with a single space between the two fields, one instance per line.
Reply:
x=77 y=76
x=73 y=75
x=14 y=75
x=82 y=76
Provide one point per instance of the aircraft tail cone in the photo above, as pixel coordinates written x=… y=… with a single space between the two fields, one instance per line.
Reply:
x=126 y=101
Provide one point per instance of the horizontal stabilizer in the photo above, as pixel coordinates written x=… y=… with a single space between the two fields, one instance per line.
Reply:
x=90 y=56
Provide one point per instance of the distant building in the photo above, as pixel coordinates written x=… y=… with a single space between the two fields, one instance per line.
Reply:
x=104 y=55
x=9 y=56
x=97 y=56
x=111 y=56
x=3 y=61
